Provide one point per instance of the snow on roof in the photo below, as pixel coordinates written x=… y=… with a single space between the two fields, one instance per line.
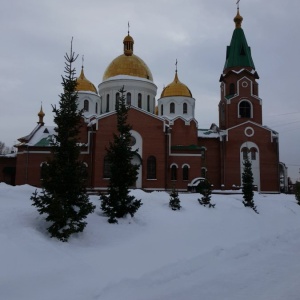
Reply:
x=120 y=77
x=208 y=133
x=39 y=136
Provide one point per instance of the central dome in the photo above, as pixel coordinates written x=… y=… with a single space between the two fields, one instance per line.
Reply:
x=128 y=63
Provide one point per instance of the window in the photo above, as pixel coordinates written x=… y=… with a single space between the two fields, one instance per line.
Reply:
x=185 y=172
x=245 y=153
x=231 y=89
x=253 y=153
x=140 y=100
x=86 y=105
x=245 y=109
x=128 y=99
x=172 y=108
x=151 y=167
x=161 y=109
x=203 y=172
x=107 y=103
x=96 y=108
x=106 y=168
x=148 y=103
x=184 y=109
x=174 y=172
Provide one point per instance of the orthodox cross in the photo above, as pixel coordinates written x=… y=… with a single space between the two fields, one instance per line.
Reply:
x=238 y=4
x=176 y=64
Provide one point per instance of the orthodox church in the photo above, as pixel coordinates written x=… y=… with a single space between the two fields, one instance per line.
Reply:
x=171 y=149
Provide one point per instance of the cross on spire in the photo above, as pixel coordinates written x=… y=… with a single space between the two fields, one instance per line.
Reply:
x=176 y=65
x=82 y=61
x=238 y=4
x=128 y=27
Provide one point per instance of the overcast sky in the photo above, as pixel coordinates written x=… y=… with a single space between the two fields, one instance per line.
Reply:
x=36 y=34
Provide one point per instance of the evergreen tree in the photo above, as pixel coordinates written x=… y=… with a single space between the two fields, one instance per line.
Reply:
x=297 y=192
x=248 y=187
x=63 y=198
x=204 y=188
x=174 y=202
x=118 y=203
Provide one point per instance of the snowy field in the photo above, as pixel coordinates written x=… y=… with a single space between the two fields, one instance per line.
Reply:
x=226 y=253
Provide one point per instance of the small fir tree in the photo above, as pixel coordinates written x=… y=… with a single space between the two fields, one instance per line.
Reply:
x=63 y=198
x=174 y=202
x=118 y=203
x=297 y=192
x=248 y=187
x=204 y=188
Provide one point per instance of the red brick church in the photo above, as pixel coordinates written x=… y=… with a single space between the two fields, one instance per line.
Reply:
x=172 y=150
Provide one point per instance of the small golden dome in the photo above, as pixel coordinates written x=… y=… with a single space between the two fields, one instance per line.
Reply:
x=41 y=116
x=84 y=85
x=238 y=19
x=128 y=63
x=176 y=88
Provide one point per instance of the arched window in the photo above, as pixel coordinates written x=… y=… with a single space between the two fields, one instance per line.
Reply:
x=96 y=108
x=253 y=153
x=106 y=168
x=245 y=153
x=107 y=103
x=86 y=105
x=174 y=172
x=161 y=109
x=172 y=108
x=184 y=108
x=128 y=99
x=185 y=172
x=231 y=89
x=148 y=103
x=245 y=109
x=203 y=172
x=140 y=100
x=151 y=167
x=43 y=169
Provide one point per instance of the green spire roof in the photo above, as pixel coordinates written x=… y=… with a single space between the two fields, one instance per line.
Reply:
x=238 y=53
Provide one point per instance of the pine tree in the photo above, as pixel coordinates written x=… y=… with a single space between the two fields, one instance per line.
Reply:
x=174 y=202
x=63 y=198
x=248 y=187
x=297 y=192
x=118 y=203
x=204 y=188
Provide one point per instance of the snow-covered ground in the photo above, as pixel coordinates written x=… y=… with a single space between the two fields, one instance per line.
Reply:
x=228 y=252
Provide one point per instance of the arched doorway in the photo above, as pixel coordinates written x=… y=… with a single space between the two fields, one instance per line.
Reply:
x=136 y=160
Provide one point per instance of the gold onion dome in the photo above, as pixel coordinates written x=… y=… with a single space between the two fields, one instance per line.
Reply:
x=128 y=63
x=41 y=116
x=176 y=88
x=84 y=85
x=238 y=19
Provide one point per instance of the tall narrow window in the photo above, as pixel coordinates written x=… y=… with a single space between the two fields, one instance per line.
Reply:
x=231 y=89
x=86 y=105
x=173 y=172
x=117 y=96
x=245 y=153
x=185 y=172
x=151 y=167
x=172 y=108
x=140 y=100
x=184 y=108
x=253 y=153
x=203 y=172
x=128 y=99
x=107 y=103
x=96 y=108
x=245 y=109
x=161 y=109
x=106 y=168
x=148 y=103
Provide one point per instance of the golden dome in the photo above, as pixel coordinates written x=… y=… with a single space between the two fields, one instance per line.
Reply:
x=238 y=19
x=128 y=63
x=41 y=116
x=176 y=88
x=84 y=85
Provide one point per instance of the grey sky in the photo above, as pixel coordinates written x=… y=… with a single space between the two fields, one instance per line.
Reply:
x=36 y=34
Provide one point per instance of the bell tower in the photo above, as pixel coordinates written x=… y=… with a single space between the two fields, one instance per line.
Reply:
x=240 y=100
